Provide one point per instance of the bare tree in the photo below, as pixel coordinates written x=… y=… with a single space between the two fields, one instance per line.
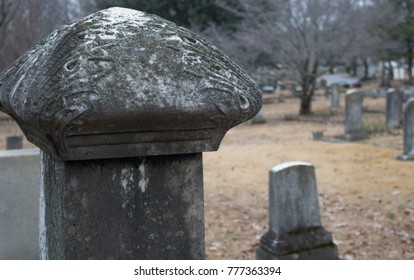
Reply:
x=8 y=10
x=33 y=20
x=301 y=35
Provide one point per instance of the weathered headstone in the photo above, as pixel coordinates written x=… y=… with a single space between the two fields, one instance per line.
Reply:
x=258 y=119
x=327 y=92
x=354 y=126
x=335 y=97
x=122 y=104
x=408 y=128
x=19 y=204
x=317 y=134
x=295 y=230
x=394 y=107
x=14 y=142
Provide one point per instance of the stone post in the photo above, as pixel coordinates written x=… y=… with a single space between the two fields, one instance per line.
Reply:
x=335 y=97
x=354 y=125
x=394 y=108
x=408 y=128
x=123 y=104
x=295 y=230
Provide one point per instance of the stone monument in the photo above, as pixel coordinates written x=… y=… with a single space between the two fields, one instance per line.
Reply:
x=394 y=108
x=335 y=97
x=122 y=104
x=408 y=131
x=295 y=230
x=354 y=125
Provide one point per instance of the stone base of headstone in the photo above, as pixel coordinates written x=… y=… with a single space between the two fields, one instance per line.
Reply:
x=314 y=244
x=326 y=252
x=403 y=157
x=350 y=137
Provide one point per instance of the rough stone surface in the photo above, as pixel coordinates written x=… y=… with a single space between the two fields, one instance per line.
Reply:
x=394 y=108
x=131 y=208
x=123 y=83
x=408 y=131
x=354 y=125
x=295 y=230
x=19 y=204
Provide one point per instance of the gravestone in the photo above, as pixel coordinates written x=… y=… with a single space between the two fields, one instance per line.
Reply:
x=295 y=230
x=14 y=142
x=408 y=94
x=408 y=128
x=122 y=104
x=354 y=126
x=394 y=105
x=19 y=204
x=258 y=119
x=317 y=135
x=334 y=97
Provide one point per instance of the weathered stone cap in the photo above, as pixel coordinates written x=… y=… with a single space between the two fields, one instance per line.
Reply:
x=123 y=83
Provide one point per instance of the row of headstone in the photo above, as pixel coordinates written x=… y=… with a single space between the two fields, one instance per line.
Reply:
x=397 y=113
x=354 y=125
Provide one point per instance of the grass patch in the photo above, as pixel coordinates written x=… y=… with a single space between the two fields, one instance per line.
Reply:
x=377 y=128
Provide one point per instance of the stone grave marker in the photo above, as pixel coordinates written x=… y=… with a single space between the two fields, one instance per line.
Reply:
x=14 y=142
x=122 y=104
x=258 y=119
x=354 y=126
x=335 y=97
x=408 y=128
x=394 y=105
x=295 y=230
x=19 y=204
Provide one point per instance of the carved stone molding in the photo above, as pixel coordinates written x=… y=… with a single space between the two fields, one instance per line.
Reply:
x=123 y=83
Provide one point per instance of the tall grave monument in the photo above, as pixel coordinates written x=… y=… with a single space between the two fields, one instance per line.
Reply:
x=123 y=104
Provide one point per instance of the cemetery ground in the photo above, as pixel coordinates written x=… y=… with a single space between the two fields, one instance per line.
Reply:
x=366 y=196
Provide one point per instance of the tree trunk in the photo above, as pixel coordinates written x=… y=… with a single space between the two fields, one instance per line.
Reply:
x=410 y=65
x=390 y=72
x=305 y=106
x=308 y=89
x=366 y=68
x=354 y=67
